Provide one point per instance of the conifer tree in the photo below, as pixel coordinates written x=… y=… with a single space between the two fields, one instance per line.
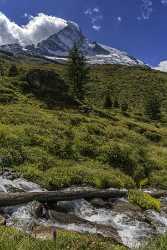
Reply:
x=13 y=71
x=108 y=102
x=153 y=108
x=77 y=73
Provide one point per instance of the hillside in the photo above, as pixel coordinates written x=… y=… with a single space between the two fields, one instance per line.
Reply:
x=47 y=138
x=58 y=145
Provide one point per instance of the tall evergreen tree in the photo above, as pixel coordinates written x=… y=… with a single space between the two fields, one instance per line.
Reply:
x=2 y=71
x=13 y=71
x=153 y=107
x=77 y=73
x=108 y=102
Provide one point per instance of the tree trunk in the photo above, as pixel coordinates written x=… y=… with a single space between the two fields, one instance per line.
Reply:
x=10 y=199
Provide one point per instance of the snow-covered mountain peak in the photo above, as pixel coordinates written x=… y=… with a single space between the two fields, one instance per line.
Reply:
x=57 y=47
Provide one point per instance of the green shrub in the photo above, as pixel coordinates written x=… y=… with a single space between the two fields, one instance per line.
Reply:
x=158 y=179
x=116 y=104
x=153 y=136
x=120 y=156
x=158 y=243
x=143 y=200
x=124 y=107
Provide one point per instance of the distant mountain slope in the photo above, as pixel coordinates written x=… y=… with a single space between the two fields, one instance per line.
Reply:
x=57 y=47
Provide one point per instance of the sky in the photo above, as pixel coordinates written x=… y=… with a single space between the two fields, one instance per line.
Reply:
x=135 y=26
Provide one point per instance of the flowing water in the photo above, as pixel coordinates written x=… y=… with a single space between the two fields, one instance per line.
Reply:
x=131 y=230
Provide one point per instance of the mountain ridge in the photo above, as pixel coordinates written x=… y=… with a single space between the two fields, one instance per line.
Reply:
x=57 y=46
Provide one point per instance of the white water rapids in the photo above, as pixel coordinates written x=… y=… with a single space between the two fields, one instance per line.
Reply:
x=131 y=230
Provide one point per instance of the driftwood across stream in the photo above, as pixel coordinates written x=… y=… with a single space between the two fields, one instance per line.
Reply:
x=11 y=199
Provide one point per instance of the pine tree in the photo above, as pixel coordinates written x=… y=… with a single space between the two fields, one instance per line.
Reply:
x=77 y=73
x=2 y=71
x=108 y=102
x=13 y=71
x=153 y=108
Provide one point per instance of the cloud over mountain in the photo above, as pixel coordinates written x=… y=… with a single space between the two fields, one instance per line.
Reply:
x=37 y=29
x=162 y=66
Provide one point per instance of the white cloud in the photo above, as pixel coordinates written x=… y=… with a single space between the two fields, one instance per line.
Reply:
x=96 y=27
x=162 y=66
x=164 y=2
x=27 y=16
x=88 y=12
x=37 y=29
x=95 y=16
x=119 y=19
x=146 y=8
x=96 y=9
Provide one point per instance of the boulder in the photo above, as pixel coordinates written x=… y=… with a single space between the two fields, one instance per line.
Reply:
x=38 y=210
x=47 y=84
x=124 y=207
x=42 y=232
x=99 y=203
x=75 y=223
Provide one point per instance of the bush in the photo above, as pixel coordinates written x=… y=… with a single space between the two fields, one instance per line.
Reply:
x=143 y=200
x=159 y=243
x=158 y=179
x=153 y=136
x=116 y=104
x=120 y=157
x=124 y=107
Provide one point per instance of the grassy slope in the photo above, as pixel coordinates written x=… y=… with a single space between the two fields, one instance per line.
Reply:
x=130 y=84
x=60 y=147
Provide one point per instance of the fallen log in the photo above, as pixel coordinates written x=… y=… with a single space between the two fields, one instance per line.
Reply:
x=11 y=199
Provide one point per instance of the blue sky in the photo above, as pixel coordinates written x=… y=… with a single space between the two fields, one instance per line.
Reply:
x=136 y=26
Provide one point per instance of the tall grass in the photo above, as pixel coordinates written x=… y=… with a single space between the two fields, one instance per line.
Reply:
x=11 y=239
